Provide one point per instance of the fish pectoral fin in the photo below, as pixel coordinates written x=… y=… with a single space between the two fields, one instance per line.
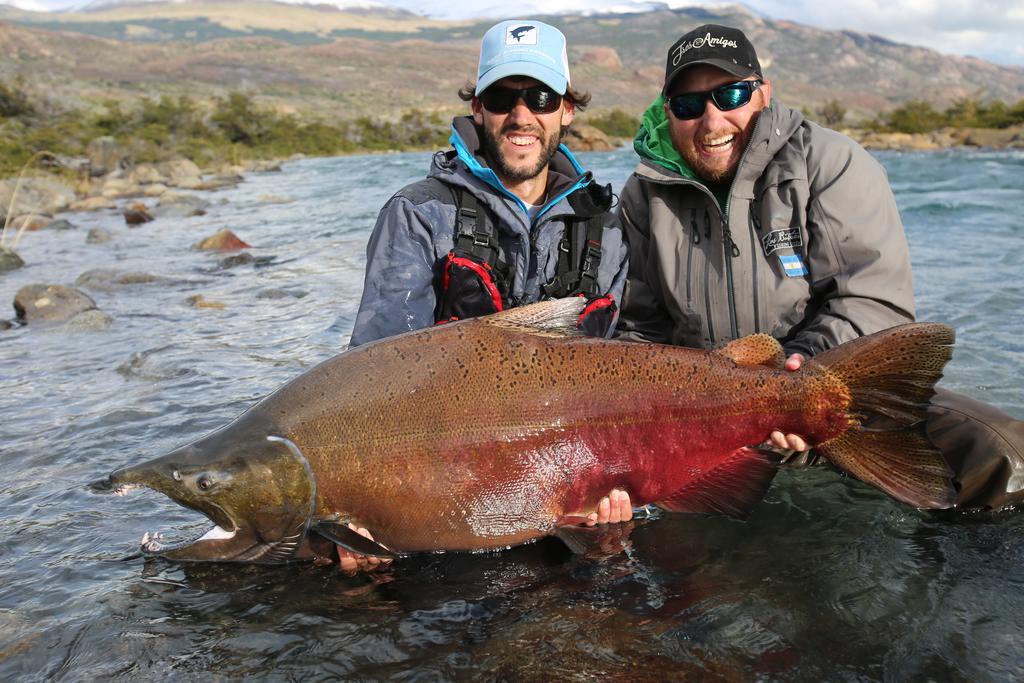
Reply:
x=602 y=539
x=732 y=488
x=348 y=539
x=755 y=349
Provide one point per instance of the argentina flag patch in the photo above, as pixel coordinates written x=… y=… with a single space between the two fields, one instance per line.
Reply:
x=793 y=265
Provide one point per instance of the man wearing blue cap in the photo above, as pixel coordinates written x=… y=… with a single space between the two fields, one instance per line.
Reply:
x=507 y=217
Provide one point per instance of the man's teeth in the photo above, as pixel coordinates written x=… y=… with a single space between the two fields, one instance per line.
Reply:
x=719 y=142
x=522 y=139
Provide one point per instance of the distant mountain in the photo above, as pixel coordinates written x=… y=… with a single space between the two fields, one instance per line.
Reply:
x=103 y=5
x=367 y=60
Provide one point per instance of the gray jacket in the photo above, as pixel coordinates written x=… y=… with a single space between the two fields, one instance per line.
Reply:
x=809 y=247
x=415 y=231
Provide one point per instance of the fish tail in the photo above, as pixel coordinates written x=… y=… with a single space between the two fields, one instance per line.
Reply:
x=891 y=378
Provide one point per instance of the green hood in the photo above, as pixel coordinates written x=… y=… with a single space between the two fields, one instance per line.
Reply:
x=653 y=142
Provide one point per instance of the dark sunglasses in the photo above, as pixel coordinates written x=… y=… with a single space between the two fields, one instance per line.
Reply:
x=498 y=99
x=726 y=97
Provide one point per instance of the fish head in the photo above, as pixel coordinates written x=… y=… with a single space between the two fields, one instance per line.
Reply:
x=256 y=487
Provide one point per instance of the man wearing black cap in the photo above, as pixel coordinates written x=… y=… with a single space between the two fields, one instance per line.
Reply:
x=743 y=217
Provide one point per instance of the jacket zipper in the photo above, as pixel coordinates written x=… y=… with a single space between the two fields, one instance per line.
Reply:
x=707 y=299
x=729 y=252
x=689 y=256
x=753 y=270
x=730 y=248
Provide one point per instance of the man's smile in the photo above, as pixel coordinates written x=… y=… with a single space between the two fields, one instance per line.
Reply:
x=719 y=144
x=522 y=140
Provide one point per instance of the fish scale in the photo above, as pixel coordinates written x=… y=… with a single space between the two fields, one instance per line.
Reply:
x=495 y=431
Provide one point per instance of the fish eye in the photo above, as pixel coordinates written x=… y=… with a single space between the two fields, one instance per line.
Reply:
x=205 y=482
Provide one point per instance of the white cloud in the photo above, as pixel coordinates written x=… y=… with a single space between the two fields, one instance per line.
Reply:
x=991 y=29
x=30 y=5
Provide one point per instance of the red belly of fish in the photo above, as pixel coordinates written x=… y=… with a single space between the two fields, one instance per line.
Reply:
x=505 y=493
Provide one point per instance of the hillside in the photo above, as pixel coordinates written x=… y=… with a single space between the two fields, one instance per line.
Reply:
x=346 y=63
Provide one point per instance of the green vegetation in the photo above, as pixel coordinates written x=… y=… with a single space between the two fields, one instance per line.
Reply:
x=918 y=116
x=832 y=113
x=228 y=129
x=14 y=101
x=237 y=126
x=193 y=30
x=617 y=123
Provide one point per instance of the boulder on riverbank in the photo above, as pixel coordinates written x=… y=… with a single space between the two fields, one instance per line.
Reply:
x=137 y=214
x=182 y=173
x=223 y=240
x=173 y=205
x=109 y=279
x=584 y=138
x=49 y=304
x=29 y=221
x=93 y=319
x=996 y=138
x=105 y=156
x=60 y=224
x=92 y=204
x=199 y=301
x=43 y=196
x=98 y=236
x=9 y=260
x=943 y=138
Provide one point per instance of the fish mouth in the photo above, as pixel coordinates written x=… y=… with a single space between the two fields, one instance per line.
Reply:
x=257 y=492
x=155 y=542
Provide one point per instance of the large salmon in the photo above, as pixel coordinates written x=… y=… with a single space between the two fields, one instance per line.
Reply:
x=495 y=431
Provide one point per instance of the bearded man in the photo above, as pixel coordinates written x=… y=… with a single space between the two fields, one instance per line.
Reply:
x=507 y=216
x=743 y=217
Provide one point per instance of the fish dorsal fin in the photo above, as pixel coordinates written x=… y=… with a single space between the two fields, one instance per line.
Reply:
x=755 y=349
x=350 y=540
x=732 y=488
x=554 y=318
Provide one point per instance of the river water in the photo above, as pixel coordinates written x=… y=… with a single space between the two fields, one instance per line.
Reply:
x=828 y=580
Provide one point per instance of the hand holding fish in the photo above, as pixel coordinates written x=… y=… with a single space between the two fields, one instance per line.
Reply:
x=613 y=508
x=350 y=563
x=791 y=442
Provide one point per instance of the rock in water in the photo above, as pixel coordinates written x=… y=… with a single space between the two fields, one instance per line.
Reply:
x=9 y=260
x=223 y=240
x=50 y=303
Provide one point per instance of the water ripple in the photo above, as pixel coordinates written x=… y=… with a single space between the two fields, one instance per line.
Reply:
x=827 y=580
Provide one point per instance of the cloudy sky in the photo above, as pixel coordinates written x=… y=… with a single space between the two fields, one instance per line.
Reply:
x=991 y=29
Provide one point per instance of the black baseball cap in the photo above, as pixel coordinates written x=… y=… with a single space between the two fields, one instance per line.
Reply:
x=721 y=46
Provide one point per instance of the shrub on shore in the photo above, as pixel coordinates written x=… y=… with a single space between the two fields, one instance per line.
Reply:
x=230 y=128
x=918 y=116
x=616 y=123
x=237 y=126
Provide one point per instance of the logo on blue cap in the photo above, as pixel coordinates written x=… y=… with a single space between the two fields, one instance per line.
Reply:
x=523 y=48
x=521 y=35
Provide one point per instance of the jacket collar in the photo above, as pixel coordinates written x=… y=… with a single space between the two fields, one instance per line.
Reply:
x=565 y=175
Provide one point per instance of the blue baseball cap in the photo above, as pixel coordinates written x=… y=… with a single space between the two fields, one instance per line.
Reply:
x=523 y=48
